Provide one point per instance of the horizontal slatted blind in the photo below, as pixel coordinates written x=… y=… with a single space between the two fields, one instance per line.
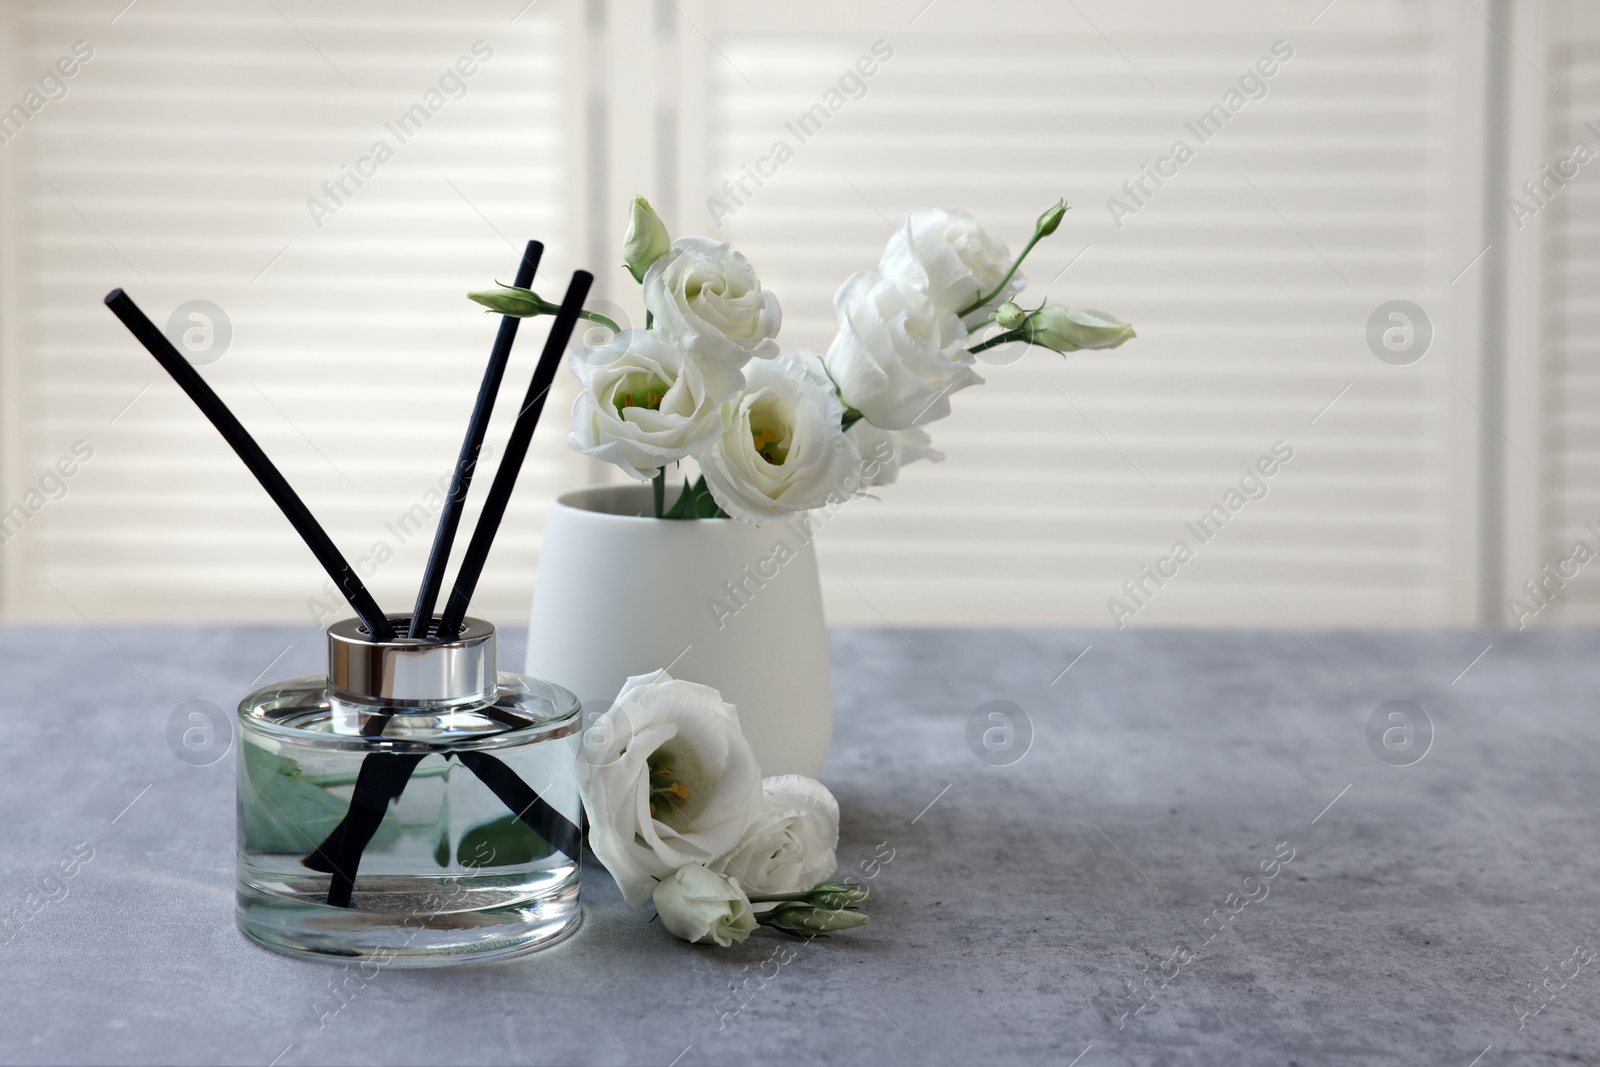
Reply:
x=179 y=165
x=1250 y=277
x=1571 y=394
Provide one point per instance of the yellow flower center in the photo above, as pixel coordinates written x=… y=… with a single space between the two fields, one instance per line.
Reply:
x=769 y=432
x=639 y=391
x=670 y=791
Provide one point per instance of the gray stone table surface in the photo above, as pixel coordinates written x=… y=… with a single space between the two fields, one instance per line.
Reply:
x=1014 y=907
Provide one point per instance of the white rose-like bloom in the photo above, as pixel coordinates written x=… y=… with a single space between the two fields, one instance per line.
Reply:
x=667 y=780
x=950 y=257
x=646 y=403
x=897 y=358
x=706 y=296
x=790 y=845
x=781 y=449
x=700 y=906
x=884 y=452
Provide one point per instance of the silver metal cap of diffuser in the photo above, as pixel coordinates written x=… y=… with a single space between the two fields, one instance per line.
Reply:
x=411 y=672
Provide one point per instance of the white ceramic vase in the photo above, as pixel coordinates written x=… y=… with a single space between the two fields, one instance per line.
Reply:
x=732 y=606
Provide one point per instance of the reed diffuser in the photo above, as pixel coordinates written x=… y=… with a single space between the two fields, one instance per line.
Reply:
x=414 y=805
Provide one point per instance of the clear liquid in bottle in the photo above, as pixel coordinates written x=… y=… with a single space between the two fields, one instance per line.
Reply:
x=471 y=803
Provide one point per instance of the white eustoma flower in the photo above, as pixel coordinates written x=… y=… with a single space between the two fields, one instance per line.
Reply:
x=781 y=449
x=790 y=845
x=702 y=906
x=897 y=357
x=949 y=256
x=667 y=779
x=706 y=296
x=646 y=403
x=884 y=452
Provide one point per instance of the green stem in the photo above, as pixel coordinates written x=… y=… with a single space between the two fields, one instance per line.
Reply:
x=658 y=491
x=773 y=898
x=595 y=316
x=998 y=339
x=547 y=308
x=982 y=300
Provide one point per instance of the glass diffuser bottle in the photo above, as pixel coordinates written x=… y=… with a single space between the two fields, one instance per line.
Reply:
x=412 y=806
x=387 y=809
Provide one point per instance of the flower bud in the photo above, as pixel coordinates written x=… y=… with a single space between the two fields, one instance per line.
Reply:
x=802 y=920
x=1009 y=316
x=647 y=239
x=837 y=894
x=509 y=300
x=1067 y=329
x=1051 y=219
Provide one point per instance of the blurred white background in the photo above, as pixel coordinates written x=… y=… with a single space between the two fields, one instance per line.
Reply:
x=1373 y=165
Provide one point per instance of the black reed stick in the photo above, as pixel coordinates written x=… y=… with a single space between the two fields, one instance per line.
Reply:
x=282 y=494
x=560 y=832
x=383 y=778
x=461 y=481
x=379 y=783
x=505 y=476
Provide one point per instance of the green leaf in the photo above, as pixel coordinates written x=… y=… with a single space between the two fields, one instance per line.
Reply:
x=684 y=508
x=287 y=811
x=282 y=812
x=705 y=505
x=501 y=842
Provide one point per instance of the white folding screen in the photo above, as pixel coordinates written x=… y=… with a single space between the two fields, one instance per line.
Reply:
x=181 y=158
x=1554 y=225
x=334 y=178
x=1348 y=178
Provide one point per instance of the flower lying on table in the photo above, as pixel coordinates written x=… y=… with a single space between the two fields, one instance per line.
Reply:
x=679 y=813
x=778 y=431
